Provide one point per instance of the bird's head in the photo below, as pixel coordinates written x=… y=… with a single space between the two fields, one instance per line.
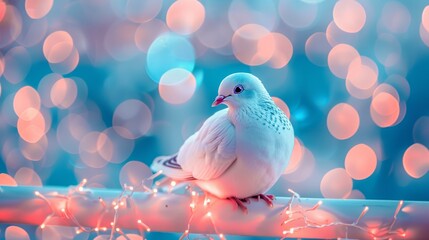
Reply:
x=240 y=89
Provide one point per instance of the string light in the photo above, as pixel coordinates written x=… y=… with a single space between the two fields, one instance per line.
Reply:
x=301 y=214
x=102 y=202
x=293 y=210
x=81 y=185
x=121 y=201
x=143 y=224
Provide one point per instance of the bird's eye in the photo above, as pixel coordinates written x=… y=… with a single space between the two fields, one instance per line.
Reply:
x=238 y=89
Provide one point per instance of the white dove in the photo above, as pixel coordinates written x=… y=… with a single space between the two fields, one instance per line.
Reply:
x=239 y=152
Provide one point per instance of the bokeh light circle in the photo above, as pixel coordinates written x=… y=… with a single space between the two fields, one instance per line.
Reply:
x=68 y=65
x=215 y=33
x=416 y=160
x=16 y=233
x=95 y=149
x=253 y=44
x=133 y=173
x=360 y=162
x=63 y=93
x=336 y=184
x=58 y=46
x=349 y=15
x=17 y=64
x=386 y=88
x=398 y=85
x=362 y=77
x=302 y=167
x=295 y=159
x=356 y=194
x=388 y=50
x=37 y=9
x=70 y=131
x=384 y=109
x=424 y=35
x=141 y=11
x=10 y=24
x=147 y=32
x=421 y=130
x=177 y=86
x=3 y=7
x=7 y=180
x=33 y=33
x=27 y=177
x=120 y=40
x=343 y=121
x=132 y=119
x=185 y=16
x=339 y=59
x=31 y=125
x=425 y=18
x=45 y=86
x=25 y=98
x=120 y=148
x=335 y=36
x=34 y=151
x=394 y=17
x=317 y=48
x=297 y=14
x=282 y=52
x=282 y=105
x=169 y=51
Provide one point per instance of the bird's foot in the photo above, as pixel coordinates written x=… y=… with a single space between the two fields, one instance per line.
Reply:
x=268 y=198
x=240 y=203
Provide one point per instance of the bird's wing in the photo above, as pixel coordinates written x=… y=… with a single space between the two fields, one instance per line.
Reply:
x=169 y=167
x=211 y=150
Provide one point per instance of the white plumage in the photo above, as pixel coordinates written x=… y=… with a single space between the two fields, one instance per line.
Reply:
x=240 y=151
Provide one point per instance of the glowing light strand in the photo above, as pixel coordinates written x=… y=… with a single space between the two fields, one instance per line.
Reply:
x=117 y=203
x=302 y=215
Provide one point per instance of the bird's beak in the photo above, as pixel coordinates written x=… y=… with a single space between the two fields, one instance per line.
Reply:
x=218 y=100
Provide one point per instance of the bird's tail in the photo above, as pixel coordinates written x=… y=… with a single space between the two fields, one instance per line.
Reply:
x=169 y=167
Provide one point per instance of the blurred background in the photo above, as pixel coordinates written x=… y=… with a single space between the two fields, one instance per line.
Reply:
x=97 y=89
